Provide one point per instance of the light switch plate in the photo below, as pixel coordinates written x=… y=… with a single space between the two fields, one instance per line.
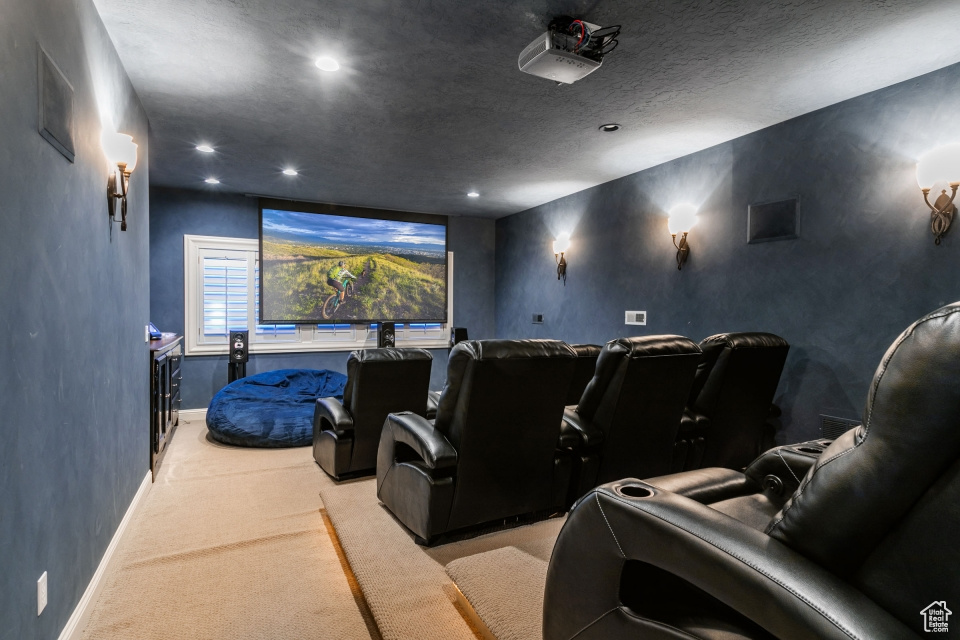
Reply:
x=42 y=593
x=636 y=317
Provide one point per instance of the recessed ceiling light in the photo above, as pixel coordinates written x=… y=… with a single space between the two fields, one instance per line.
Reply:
x=205 y=148
x=473 y=194
x=212 y=181
x=327 y=64
x=290 y=172
x=609 y=128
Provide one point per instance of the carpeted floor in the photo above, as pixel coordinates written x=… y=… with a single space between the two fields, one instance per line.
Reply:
x=407 y=587
x=505 y=589
x=236 y=543
x=229 y=543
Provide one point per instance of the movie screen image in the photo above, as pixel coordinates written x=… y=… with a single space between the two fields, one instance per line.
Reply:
x=323 y=268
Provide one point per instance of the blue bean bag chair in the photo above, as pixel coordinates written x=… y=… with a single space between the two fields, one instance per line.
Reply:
x=271 y=409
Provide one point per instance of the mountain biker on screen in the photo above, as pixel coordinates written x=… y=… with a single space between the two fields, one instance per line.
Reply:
x=336 y=276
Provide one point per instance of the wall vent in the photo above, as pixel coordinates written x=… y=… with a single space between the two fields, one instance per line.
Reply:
x=636 y=317
x=56 y=107
x=832 y=427
x=773 y=221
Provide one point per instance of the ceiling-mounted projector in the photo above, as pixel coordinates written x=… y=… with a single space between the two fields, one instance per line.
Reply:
x=569 y=50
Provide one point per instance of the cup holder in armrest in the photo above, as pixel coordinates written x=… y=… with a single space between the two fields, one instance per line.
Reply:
x=633 y=491
x=813 y=450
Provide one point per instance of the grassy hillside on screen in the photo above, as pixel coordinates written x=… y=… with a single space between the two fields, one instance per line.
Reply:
x=388 y=287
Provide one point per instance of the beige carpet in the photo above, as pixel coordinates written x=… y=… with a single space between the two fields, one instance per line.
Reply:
x=405 y=585
x=505 y=589
x=230 y=543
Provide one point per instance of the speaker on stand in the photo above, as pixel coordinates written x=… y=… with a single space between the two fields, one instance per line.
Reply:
x=457 y=334
x=239 y=354
x=386 y=335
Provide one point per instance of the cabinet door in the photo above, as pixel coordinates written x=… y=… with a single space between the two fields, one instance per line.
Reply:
x=163 y=401
x=175 y=377
x=154 y=407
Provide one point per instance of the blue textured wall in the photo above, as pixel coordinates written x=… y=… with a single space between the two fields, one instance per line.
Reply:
x=75 y=298
x=176 y=212
x=864 y=268
x=472 y=241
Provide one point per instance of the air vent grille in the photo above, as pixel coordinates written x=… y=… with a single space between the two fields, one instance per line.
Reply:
x=832 y=427
x=535 y=49
x=636 y=317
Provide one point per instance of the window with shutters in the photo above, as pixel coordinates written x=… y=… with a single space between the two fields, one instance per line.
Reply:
x=222 y=293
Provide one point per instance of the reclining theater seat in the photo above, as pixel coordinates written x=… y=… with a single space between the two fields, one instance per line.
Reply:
x=731 y=399
x=582 y=373
x=587 y=355
x=345 y=437
x=492 y=451
x=863 y=546
x=626 y=422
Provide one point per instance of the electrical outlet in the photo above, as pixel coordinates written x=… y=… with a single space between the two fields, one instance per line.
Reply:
x=42 y=593
x=146 y=333
x=538 y=318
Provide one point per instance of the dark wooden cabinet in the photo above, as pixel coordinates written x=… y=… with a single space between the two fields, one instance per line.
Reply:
x=166 y=354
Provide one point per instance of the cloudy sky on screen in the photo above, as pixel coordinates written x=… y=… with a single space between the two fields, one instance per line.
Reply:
x=321 y=227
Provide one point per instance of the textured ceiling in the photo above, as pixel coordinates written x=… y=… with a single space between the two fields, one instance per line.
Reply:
x=429 y=103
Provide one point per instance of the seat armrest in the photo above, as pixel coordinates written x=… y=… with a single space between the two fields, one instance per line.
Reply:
x=706 y=486
x=787 y=464
x=433 y=402
x=577 y=433
x=692 y=422
x=747 y=570
x=417 y=433
x=330 y=415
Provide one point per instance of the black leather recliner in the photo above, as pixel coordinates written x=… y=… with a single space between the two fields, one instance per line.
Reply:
x=587 y=355
x=346 y=436
x=730 y=400
x=582 y=373
x=626 y=422
x=492 y=451
x=864 y=545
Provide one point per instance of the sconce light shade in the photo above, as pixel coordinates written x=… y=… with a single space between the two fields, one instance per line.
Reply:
x=560 y=246
x=121 y=152
x=682 y=218
x=120 y=149
x=939 y=165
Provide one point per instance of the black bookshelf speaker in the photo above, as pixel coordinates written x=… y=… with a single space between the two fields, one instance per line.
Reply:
x=239 y=346
x=386 y=335
x=457 y=334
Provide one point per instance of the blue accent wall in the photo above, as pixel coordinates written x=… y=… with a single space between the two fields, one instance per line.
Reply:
x=74 y=445
x=179 y=212
x=865 y=265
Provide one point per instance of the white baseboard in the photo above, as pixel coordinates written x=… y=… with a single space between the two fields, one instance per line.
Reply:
x=193 y=414
x=78 y=620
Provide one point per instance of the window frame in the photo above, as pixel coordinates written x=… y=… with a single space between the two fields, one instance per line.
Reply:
x=307 y=338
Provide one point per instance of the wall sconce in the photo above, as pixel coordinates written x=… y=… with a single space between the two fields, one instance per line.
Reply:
x=560 y=246
x=121 y=153
x=682 y=218
x=940 y=165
